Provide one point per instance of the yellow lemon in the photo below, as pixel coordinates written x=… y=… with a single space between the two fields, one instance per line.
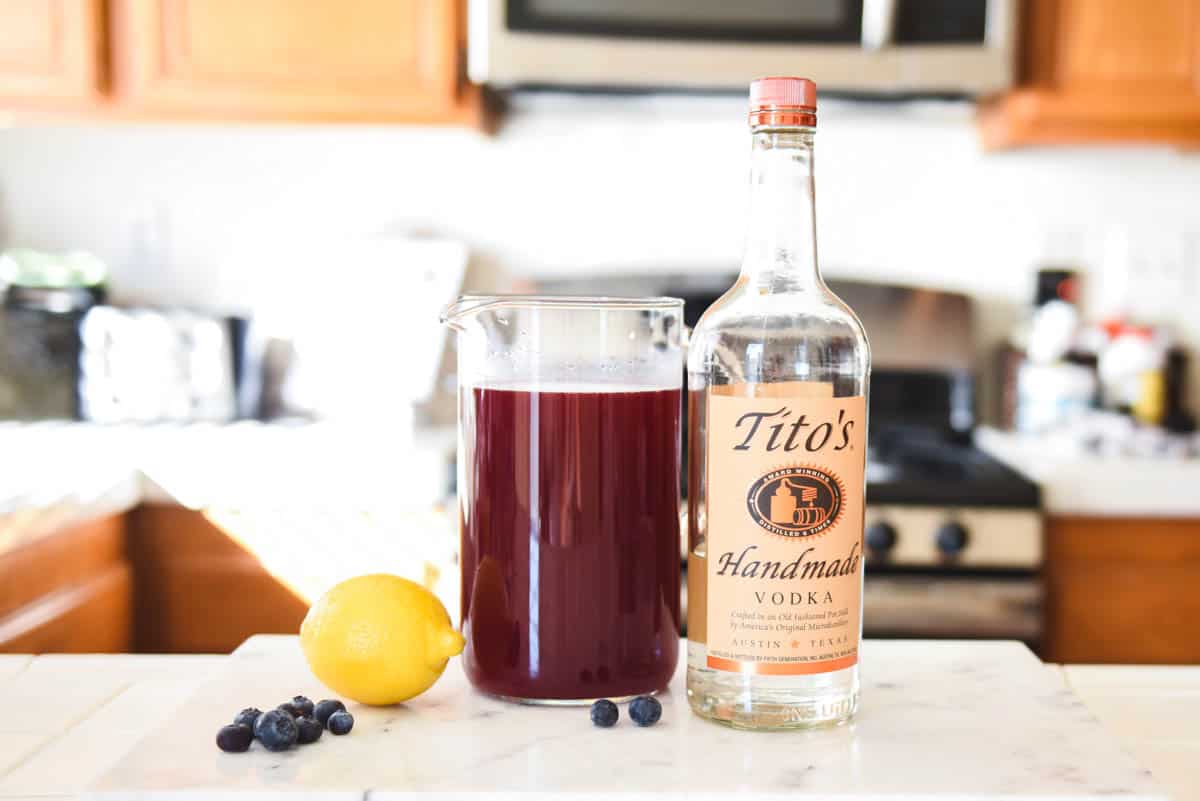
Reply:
x=378 y=639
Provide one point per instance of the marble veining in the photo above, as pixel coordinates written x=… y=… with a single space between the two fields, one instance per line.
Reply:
x=969 y=720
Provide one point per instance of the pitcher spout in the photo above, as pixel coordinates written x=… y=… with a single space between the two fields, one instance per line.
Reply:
x=463 y=309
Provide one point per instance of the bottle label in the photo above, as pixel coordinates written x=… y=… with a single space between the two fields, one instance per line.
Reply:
x=785 y=527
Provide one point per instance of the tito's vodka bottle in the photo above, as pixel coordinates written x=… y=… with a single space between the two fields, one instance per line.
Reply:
x=777 y=398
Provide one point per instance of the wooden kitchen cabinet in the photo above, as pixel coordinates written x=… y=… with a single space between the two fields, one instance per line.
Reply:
x=370 y=60
x=69 y=590
x=1122 y=590
x=199 y=591
x=1096 y=71
x=52 y=52
x=155 y=579
x=239 y=60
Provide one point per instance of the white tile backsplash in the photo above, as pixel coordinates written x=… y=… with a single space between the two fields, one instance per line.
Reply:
x=230 y=216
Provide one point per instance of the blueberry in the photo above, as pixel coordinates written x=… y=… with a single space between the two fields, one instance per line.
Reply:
x=310 y=730
x=605 y=713
x=645 y=710
x=303 y=704
x=291 y=709
x=248 y=716
x=341 y=723
x=326 y=708
x=235 y=738
x=277 y=730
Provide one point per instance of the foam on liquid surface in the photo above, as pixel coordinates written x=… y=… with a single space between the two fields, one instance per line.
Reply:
x=571 y=387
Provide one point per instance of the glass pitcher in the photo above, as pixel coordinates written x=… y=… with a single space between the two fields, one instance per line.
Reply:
x=568 y=482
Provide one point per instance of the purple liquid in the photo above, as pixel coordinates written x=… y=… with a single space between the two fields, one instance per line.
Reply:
x=570 y=543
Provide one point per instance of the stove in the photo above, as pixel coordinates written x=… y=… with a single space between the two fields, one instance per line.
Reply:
x=947 y=506
x=953 y=537
x=953 y=541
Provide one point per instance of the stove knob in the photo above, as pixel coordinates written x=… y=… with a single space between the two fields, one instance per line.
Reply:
x=951 y=538
x=881 y=537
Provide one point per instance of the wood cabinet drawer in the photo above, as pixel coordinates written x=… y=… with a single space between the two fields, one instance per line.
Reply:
x=1123 y=591
x=72 y=555
x=69 y=590
x=89 y=616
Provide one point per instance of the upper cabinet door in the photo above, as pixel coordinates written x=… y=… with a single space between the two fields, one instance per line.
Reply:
x=370 y=60
x=1107 y=46
x=51 y=52
x=1103 y=71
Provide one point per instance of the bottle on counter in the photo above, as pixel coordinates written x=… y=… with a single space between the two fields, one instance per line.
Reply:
x=1176 y=418
x=1050 y=380
x=777 y=380
x=1131 y=367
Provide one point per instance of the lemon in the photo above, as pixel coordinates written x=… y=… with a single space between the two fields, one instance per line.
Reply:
x=378 y=639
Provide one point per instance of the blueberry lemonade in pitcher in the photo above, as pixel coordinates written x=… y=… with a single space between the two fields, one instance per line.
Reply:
x=569 y=462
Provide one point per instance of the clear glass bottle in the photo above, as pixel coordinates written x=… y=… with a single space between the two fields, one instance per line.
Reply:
x=777 y=381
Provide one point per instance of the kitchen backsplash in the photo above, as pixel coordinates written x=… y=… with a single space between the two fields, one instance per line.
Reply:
x=232 y=217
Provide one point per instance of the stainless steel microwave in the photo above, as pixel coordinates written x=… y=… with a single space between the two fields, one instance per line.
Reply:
x=869 y=46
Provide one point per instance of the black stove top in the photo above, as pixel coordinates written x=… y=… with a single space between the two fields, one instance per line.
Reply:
x=919 y=469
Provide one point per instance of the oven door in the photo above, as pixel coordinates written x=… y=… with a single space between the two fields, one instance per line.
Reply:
x=850 y=45
x=981 y=605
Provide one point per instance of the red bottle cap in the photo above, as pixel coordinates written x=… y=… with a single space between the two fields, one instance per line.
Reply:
x=783 y=101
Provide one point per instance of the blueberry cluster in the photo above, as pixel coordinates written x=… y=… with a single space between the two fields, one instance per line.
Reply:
x=645 y=710
x=298 y=721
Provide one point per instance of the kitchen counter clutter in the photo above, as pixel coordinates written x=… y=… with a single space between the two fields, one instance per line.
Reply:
x=939 y=719
x=1089 y=485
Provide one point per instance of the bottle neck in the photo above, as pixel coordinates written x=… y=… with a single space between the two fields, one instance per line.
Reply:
x=781 y=237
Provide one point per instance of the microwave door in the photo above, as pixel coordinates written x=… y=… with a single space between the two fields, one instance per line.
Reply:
x=860 y=46
x=815 y=21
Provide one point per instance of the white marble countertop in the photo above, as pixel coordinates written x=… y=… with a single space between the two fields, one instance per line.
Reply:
x=1099 y=486
x=228 y=465
x=934 y=725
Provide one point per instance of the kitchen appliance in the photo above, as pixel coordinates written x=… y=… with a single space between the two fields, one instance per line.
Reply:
x=151 y=366
x=43 y=296
x=878 y=46
x=40 y=348
x=953 y=536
